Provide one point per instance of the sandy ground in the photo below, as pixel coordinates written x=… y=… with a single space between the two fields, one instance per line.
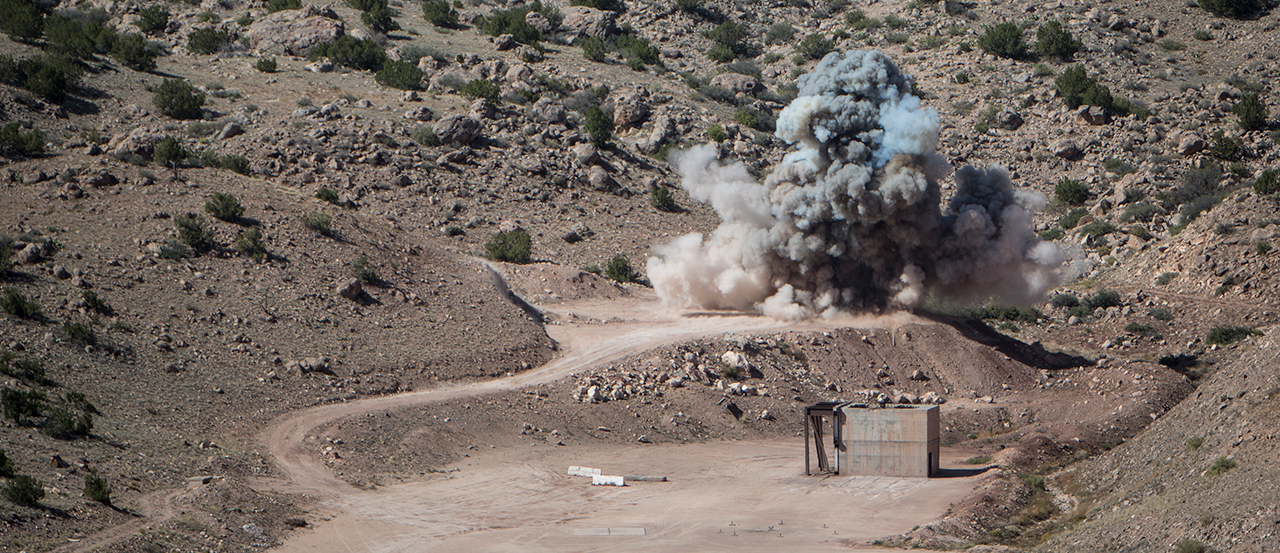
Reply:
x=744 y=496
x=740 y=495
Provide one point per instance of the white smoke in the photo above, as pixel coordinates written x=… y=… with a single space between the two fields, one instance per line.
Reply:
x=852 y=218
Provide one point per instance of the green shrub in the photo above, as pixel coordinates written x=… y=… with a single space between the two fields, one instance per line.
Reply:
x=1072 y=218
x=1139 y=328
x=77 y=38
x=17 y=404
x=662 y=199
x=348 y=52
x=1051 y=234
x=27 y=370
x=95 y=303
x=319 y=222
x=721 y=54
x=21 y=20
x=326 y=194
x=168 y=151
x=7 y=470
x=1053 y=41
x=619 y=269
x=1096 y=229
x=400 y=74
x=815 y=46
x=66 y=425
x=135 y=52
x=440 y=13
x=235 y=164
x=481 y=88
x=274 y=6
x=1064 y=300
x=16 y=303
x=689 y=6
x=729 y=34
x=379 y=19
x=174 y=249
x=607 y=5
x=96 y=488
x=779 y=33
x=1203 y=35
x=1076 y=88
x=363 y=271
x=14 y=141
x=48 y=76
x=153 y=19
x=1221 y=465
x=593 y=49
x=511 y=247
x=193 y=231
x=426 y=136
x=1223 y=335
x=250 y=243
x=979 y=460
x=24 y=490
x=1252 y=112
x=716 y=133
x=1103 y=299
x=859 y=21
x=224 y=206
x=1262 y=248
x=512 y=22
x=266 y=65
x=1166 y=278
x=1071 y=192
x=599 y=126
x=1170 y=45
x=1003 y=40
x=207 y=41
x=1227 y=148
x=1238 y=9
x=79 y=333
x=178 y=99
x=1160 y=314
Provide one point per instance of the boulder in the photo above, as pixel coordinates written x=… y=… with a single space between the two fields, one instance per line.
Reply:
x=539 y=22
x=581 y=21
x=1094 y=115
x=1190 y=144
x=32 y=253
x=1009 y=120
x=1067 y=149
x=586 y=153
x=294 y=32
x=351 y=289
x=420 y=113
x=738 y=83
x=504 y=43
x=459 y=129
x=482 y=109
x=99 y=179
x=550 y=111
x=663 y=128
x=140 y=141
x=600 y=179
x=229 y=130
x=322 y=66
x=629 y=111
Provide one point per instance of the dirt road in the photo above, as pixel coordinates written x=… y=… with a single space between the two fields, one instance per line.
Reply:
x=737 y=495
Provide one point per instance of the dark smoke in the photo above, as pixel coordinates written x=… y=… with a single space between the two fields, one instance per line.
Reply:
x=852 y=219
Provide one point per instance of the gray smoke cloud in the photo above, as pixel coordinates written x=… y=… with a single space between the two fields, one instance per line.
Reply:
x=852 y=218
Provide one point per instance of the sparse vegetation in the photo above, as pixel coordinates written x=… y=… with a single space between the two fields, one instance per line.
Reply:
x=363 y=270
x=266 y=65
x=326 y=194
x=17 y=304
x=1053 y=41
x=1064 y=300
x=319 y=222
x=224 y=206
x=662 y=199
x=1238 y=9
x=481 y=88
x=178 y=99
x=815 y=46
x=250 y=243
x=1161 y=313
x=1194 y=443
x=440 y=13
x=1071 y=192
x=97 y=488
x=1228 y=334
x=193 y=231
x=24 y=490
x=16 y=142
x=619 y=269
x=79 y=333
x=207 y=41
x=1252 y=111
x=1003 y=40
x=274 y=6
x=1221 y=465
x=510 y=247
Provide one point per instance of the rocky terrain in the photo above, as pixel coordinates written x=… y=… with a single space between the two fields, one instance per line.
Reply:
x=374 y=204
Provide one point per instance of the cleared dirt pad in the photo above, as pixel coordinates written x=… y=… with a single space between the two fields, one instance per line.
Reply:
x=745 y=496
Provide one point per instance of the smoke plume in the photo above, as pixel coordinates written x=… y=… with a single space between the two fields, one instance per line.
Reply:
x=852 y=218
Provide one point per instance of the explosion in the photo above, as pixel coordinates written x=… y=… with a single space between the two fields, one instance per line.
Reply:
x=852 y=218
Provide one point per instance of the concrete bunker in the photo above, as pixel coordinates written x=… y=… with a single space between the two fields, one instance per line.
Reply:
x=870 y=440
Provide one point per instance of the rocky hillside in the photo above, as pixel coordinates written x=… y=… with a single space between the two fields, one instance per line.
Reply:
x=377 y=147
